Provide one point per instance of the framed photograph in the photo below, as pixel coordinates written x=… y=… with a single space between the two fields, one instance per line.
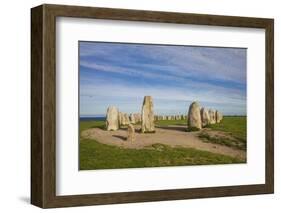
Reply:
x=137 y=106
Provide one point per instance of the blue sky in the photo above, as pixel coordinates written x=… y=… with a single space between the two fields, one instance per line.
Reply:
x=122 y=74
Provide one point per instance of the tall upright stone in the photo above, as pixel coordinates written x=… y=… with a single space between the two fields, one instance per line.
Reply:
x=132 y=119
x=156 y=117
x=212 y=115
x=131 y=137
x=126 y=119
x=112 y=118
x=219 y=116
x=205 y=118
x=147 y=115
x=194 y=117
x=120 y=117
x=138 y=115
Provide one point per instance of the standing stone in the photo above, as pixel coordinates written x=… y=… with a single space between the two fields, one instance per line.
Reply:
x=132 y=119
x=126 y=119
x=147 y=121
x=219 y=116
x=123 y=123
x=212 y=116
x=138 y=117
x=205 y=118
x=120 y=117
x=194 y=117
x=131 y=137
x=112 y=118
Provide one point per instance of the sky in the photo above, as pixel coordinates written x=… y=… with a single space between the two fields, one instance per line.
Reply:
x=121 y=74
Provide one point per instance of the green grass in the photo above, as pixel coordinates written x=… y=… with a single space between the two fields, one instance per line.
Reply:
x=91 y=124
x=192 y=129
x=94 y=155
x=230 y=142
x=235 y=126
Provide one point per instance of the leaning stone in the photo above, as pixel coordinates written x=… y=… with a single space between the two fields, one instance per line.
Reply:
x=131 y=137
x=205 y=118
x=112 y=118
x=194 y=117
x=147 y=123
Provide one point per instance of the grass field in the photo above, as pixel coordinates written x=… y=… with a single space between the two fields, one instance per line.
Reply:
x=94 y=155
x=233 y=125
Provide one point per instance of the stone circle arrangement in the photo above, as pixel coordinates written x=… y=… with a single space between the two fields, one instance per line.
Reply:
x=197 y=118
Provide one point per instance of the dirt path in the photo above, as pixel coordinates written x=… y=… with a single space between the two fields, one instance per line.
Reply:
x=171 y=135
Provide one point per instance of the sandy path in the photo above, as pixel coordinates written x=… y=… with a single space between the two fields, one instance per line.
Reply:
x=171 y=135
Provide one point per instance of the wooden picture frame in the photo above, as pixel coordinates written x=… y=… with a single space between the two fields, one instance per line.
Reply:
x=43 y=105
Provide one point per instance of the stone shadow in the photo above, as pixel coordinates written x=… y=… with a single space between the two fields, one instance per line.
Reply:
x=120 y=137
x=176 y=128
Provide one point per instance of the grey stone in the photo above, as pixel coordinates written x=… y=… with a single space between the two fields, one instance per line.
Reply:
x=219 y=116
x=194 y=117
x=112 y=118
x=205 y=118
x=131 y=135
x=132 y=119
x=212 y=115
x=147 y=121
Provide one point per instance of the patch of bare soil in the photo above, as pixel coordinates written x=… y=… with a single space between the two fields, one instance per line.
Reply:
x=174 y=136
